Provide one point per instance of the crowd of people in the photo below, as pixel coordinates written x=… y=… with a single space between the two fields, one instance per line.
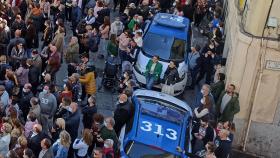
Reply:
x=41 y=119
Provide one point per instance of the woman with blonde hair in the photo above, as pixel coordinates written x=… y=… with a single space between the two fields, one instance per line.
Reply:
x=90 y=19
x=21 y=146
x=83 y=144
x=58 y=127
x=5 y=139
x=61 y=146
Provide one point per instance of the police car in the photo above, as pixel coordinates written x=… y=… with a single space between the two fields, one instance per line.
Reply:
x=167 y=36
x=160 y=124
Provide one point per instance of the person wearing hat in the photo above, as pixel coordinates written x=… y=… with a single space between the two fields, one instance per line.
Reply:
x=192 y=61
x=88 y=80
x=5 y=139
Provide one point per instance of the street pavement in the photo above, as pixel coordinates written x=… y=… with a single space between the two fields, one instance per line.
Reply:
x=106 y=100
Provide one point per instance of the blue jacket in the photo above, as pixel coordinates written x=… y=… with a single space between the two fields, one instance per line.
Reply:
x=59 y=150
x=76 y=14
x=192 y=60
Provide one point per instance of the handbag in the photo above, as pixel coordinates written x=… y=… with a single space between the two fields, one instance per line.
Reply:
x=168 y=89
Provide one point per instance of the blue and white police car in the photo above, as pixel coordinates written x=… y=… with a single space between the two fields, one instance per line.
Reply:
x=160 y=124
x=167 y=36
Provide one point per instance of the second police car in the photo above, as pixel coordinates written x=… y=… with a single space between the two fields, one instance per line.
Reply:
x=159 y=125
x=167 y=36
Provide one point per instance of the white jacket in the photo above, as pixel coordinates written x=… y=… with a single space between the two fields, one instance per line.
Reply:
x=4 y=144
x=117 y=27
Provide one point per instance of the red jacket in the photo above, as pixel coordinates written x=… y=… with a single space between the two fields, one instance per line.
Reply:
x=53 y=63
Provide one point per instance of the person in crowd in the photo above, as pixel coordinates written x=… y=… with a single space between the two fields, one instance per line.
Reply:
x=230 y=126
x=53 y=62
x=88 y=80
x=98 y=120
x=59 y=126
x=28 y=153
x=72 y=51
x=4 y=98
x=14 y=41
x=88 y=112
x=30 y=122
x=203 y=133
x=22 y=73
x=104 y=31
x=76 y=87
x=47 y=34
x=76 y=15
x=117 y=27
x=34 y=139
x=5 y=139
x=46 y=151
x=124 y=81
x=48 y=105
x=97 y=153
x=24 y=102
x=204 y=110
x=46 y=82
x=90 y=19
x=218 y=86
x=124 y=40
x=63 y=110
x=171 y=75
x=82 y=145
x=35 y=107
x=18 y=24
x=16 y=132
x=205 y=91
x=105 y=11
x=3 y=66
x=223 y=144
x=112 y=47
x=108 y=148
x=108 y=132
x=20 y=147
x=72 y=124
x=192 y=62
x=138 y=39
x=67 y=91
x=31 y=37
x=228 y=104
x=58 y=40
x=153 y=72
x=33 y=75
x=206 y=67
x=122 y=113
x=17 y=54
x=99 y=5
x=61 y=145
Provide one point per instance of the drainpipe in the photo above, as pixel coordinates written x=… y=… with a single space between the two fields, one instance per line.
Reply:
x=256 y=84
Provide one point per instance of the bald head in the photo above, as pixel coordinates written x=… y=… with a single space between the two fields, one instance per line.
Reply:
x=17 y=33
x=123 y=98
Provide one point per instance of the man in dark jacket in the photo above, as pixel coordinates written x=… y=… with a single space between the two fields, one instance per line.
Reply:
x=101 y=14
x=33 y=76
x=223 y=144
x=122 y=113
x=218 y=87
x=24 y=102
x=228 y=104
x=76 y=16
x=34 y=139
x=18 y=24
x=202 y=134
x=72 y=125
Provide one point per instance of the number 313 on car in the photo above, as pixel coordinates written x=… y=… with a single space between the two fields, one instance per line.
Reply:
x=158 y=130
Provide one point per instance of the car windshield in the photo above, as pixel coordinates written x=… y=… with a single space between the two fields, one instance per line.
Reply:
x=167 y=48
x=161 y=110
x=138 y=150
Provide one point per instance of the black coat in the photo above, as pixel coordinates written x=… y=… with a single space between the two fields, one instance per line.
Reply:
x=121 y=116
x=33 y=75
x=34 y=143
x=171 y=76
x=101 y=14
x=72 y=124
x=88 y=113
x=209 y=134
x=24 y=102
x=30 y=37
